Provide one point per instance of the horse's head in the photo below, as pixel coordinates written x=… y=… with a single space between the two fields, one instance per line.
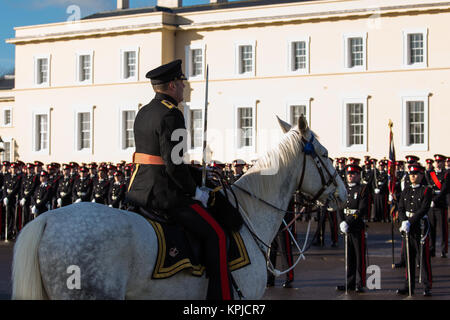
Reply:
x=318 y=179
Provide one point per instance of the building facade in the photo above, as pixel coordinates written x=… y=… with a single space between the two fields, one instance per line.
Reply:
x=349 y=65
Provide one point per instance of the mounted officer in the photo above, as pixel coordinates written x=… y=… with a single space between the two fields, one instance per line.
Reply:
x=162 y=182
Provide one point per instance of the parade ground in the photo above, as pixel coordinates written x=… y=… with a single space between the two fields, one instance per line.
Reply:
x=317 y=276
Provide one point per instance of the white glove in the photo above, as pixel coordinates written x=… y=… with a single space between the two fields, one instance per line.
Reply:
x=34 y=210
x=78 y=200
x=377 y=191
x=432 y=204
x=110 y=206
x=5 y=201
x=391 y=198
x=202 y=195
x=93 y=200
x=22 y=202
x=344 y=226
x=59 y=202
x=405 y=226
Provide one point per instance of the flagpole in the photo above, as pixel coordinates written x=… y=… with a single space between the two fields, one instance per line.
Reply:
x=392 y=205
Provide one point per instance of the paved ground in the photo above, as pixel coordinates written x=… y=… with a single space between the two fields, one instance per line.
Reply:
x=317 y=276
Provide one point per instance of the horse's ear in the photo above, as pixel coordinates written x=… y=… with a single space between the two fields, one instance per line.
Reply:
x=284 y=125
x=302 y=124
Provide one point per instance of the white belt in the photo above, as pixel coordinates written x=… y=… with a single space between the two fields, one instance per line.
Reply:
x=437 y=191
x=409 y=214
x=350 y=211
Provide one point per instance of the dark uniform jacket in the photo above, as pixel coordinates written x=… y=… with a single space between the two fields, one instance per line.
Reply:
x=416 y=200
x=29 y=185
x=160 y=186
x=11 y=188
x=101 y=190
x=82 y=189
x=439 y=195
x=382 y=182
x=42 y=197
x=117 y=194
x=65 y=190
x=356 y=200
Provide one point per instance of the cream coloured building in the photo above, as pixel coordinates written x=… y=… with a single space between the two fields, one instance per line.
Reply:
x=349 y=65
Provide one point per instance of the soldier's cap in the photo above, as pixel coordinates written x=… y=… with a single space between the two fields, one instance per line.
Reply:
x=429 y=160
x=111 y=167
x=30 y=165
x=50 y=166
x=66 y=166
x=166 y=73
x=102 y=168
x=44 y=173
x=354 y=160
x=239 y=162
x=83 y=169
x=411 y=158
x=38 y=163
x=352 y=168
x=439 y=157
x=127 y=168
x=56 y=164
x=6 y=163
x=413 y=168
x=373 y=160
x=383 y=162
x=14 y=165
x=92 y=165
x=20 y=163
x=74 y=164
x=367 y=161
x=217 y=164
x=399 y=163
x=118 y=173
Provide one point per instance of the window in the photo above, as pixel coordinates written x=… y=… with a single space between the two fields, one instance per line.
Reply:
x=7 y=117
x=6 y=155
x=195 y=61
x=415 y=122
x=42 y=71
x=245 y=58
x=84 y=67
x=295 y=112
x=415 y=48
x=355 y=51
x=294 y=108
x=245 y=127
x=194 y=125
x=127 y=128
x=298 y=55
x=129 y=64
x=83 y=129
x=41 y=131
x=355 y=124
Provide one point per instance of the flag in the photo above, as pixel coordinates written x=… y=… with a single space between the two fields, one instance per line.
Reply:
x=391 y=169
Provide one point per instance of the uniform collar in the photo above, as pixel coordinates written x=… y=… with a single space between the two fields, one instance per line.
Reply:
x=163 y=96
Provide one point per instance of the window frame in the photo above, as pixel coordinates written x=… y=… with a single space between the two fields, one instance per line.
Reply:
x=405 y=98
x=290 y=57
x=122 y=135
x=242 y=105
x=79 y=54
x=345 y=138
x=122 y=64
x=406 y=48
x=347 y=51
x=11 y=149
x=34 y=147
x=77 y=134
x=36 y=71
x=10 y=124
x=237 y=58
x=306 y=101
x=188 y=107
x=188 y=64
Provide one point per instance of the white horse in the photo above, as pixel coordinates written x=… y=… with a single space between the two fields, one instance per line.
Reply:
x=114 y=251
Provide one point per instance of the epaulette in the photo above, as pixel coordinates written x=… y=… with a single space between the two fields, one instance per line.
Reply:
x=168 y=104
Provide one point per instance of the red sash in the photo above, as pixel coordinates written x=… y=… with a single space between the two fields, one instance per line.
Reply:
x=436 y=180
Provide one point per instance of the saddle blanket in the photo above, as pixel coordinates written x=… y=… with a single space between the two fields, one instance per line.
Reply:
x=175 y=253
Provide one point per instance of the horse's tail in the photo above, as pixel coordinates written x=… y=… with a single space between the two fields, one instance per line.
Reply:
x=26 y=276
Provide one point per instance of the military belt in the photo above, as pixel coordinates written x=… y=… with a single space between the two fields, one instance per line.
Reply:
x=350 y=211
x=409 y=214
x=143 y=158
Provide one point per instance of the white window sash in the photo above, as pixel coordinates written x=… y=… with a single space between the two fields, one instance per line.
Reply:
x=189 y=67
x=82 y=66
x=7 y=115
x=407 y=48
x=406 y=143
x=347 y=37
x=124 y=64
x=239 y=59
x=188 y=108
x=41 y=137
x=291 y=55
x=346 y=146
x=78 y=148
x=38 y=81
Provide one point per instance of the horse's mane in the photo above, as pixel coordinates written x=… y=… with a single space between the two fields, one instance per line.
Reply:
x=284 y=153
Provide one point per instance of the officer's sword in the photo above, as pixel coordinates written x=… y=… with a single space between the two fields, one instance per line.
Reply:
x=408 y=263
x=422 y=228
x=205 y=126
x=6 y=222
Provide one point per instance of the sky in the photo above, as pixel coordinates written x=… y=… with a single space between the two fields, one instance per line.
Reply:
x=16 y=13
